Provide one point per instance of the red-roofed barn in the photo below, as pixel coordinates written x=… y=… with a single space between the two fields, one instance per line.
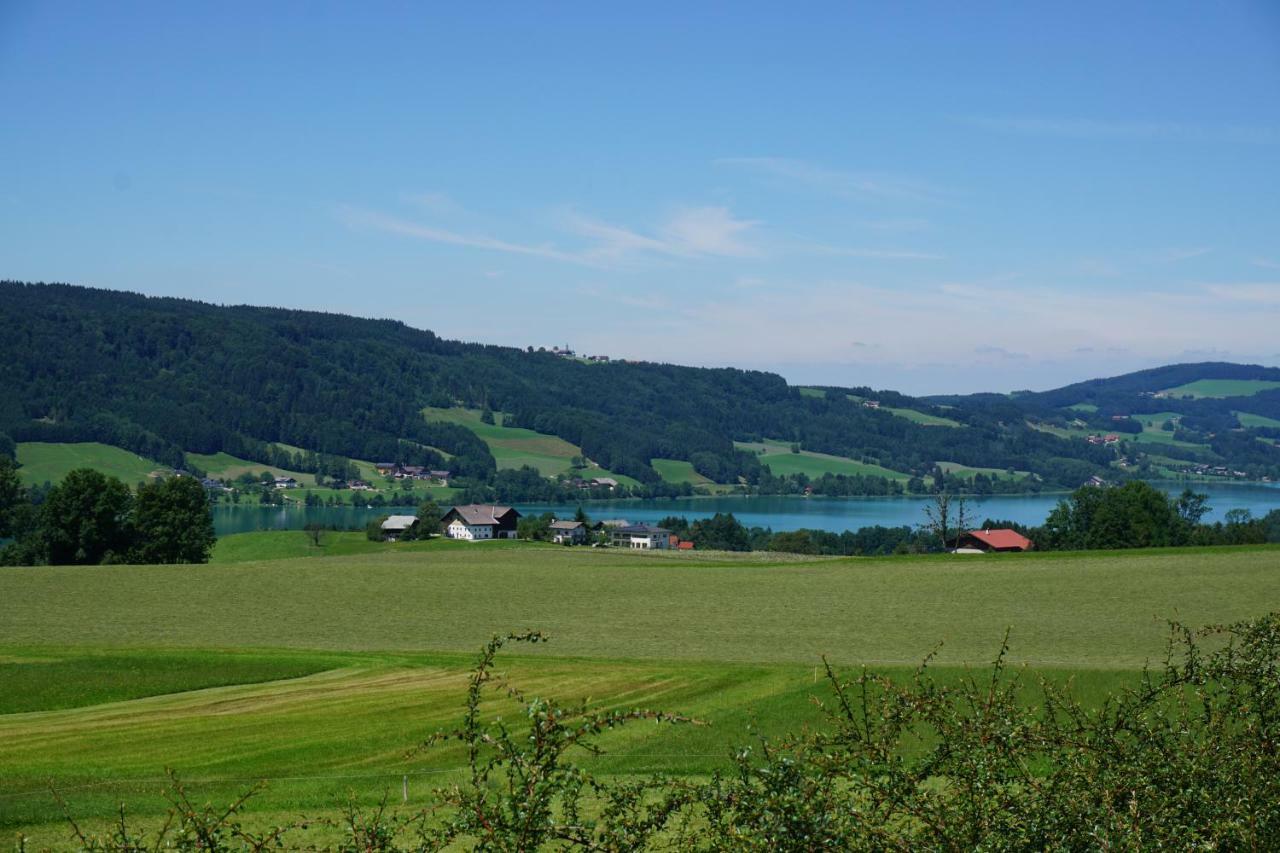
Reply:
x=1000 y=539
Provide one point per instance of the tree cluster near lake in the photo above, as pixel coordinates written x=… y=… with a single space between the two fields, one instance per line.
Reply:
x=90 y=519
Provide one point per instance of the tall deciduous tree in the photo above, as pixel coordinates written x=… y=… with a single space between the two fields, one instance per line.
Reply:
x=86 y=520
x=12 y=495
x=174 y=522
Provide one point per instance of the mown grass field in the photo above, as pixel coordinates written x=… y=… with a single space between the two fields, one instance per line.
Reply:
x=970 y=470
x=43 y=461
x=514 y=447
x=1222 y=388
x=921 y=418
x=1250 y=420
x=224 y=466
x=781 y=461
x=679 y=471
x=319 y=673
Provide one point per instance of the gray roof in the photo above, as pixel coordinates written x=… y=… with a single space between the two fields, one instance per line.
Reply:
x=481 y=513
x=643 y=530
x=566 y=525
x=400 y=522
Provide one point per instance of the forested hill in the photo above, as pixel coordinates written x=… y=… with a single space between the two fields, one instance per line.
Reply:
x=164 y=377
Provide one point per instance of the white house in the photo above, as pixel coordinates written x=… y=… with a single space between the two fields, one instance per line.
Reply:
x=641 y=537
x=568 y=532
x=480 y=521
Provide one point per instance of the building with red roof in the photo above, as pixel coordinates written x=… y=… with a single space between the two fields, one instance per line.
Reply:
x=1000 y=539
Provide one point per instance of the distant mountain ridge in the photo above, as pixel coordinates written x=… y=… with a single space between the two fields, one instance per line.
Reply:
x=164 y=377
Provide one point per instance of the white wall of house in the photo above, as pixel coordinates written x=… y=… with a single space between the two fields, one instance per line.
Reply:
x=458 y=530
x=649 y=542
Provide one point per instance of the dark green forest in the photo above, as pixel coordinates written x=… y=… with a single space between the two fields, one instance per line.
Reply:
x=163 y=377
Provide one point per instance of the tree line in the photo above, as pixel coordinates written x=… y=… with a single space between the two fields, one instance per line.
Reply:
x=91 y=518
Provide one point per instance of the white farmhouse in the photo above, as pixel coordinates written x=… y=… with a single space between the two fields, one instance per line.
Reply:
x=480 y=521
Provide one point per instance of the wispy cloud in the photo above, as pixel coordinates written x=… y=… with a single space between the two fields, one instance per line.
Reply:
x=687 y=233
x=691 y=232
x=1102 y=129
x=1265 y=293
x=831 y=181
x=1266 y=263
x=359 y=218
x=878 y=254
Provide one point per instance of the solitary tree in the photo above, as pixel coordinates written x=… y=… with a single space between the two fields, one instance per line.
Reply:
x=174 y=522
x=939 y=515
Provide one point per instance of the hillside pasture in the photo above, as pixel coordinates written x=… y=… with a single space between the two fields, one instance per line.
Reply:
x=224 y=466
x=921 y=418
x=781 y=461
x=678 y=471
x=971 y=470
x=1221 y=388
x=50 y=462
x=1249 y=420
x=515 y=447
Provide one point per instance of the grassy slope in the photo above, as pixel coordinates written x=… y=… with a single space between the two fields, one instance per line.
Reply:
x=1250 y=420
x=225 y=466
x=969 y=471
x=44 y=461
x=678 y=471
x=922 y=418
x=778 y=456
x=1222 y=388
x=660 y=630
x=513 y=447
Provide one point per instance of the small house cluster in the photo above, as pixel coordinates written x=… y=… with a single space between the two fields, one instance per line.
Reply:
x=595 y=483
x=1109 y=438
x=411 y=472
x=486 y=522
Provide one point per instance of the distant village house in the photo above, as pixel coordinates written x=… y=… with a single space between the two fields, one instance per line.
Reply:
x=641 y=537
x=396 y=526
x=1000 y=539
x=568 y=532
x=475 y=522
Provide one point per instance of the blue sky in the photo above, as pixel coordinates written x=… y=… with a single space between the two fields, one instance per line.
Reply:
x=931 y=197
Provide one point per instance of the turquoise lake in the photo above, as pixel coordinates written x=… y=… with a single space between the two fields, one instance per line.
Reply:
x=778 y=512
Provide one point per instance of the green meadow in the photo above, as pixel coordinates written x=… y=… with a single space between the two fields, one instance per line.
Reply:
x=970 y=470
x=1250 y=420
x=515 y=447
x=921 y=417
x=43 y=461
x=781 y=461
x=679 y=471
x=318 y=669
x=1222 y=388
x=224 y=466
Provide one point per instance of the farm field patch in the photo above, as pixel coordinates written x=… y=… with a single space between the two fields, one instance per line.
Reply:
x=319 y=674
x=515 y=447
x=1248 y=419
x=44 y=461
x=679 y=471
x=1219 y=388
x=781 y=461
x=224 y=466
x=922 y=418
